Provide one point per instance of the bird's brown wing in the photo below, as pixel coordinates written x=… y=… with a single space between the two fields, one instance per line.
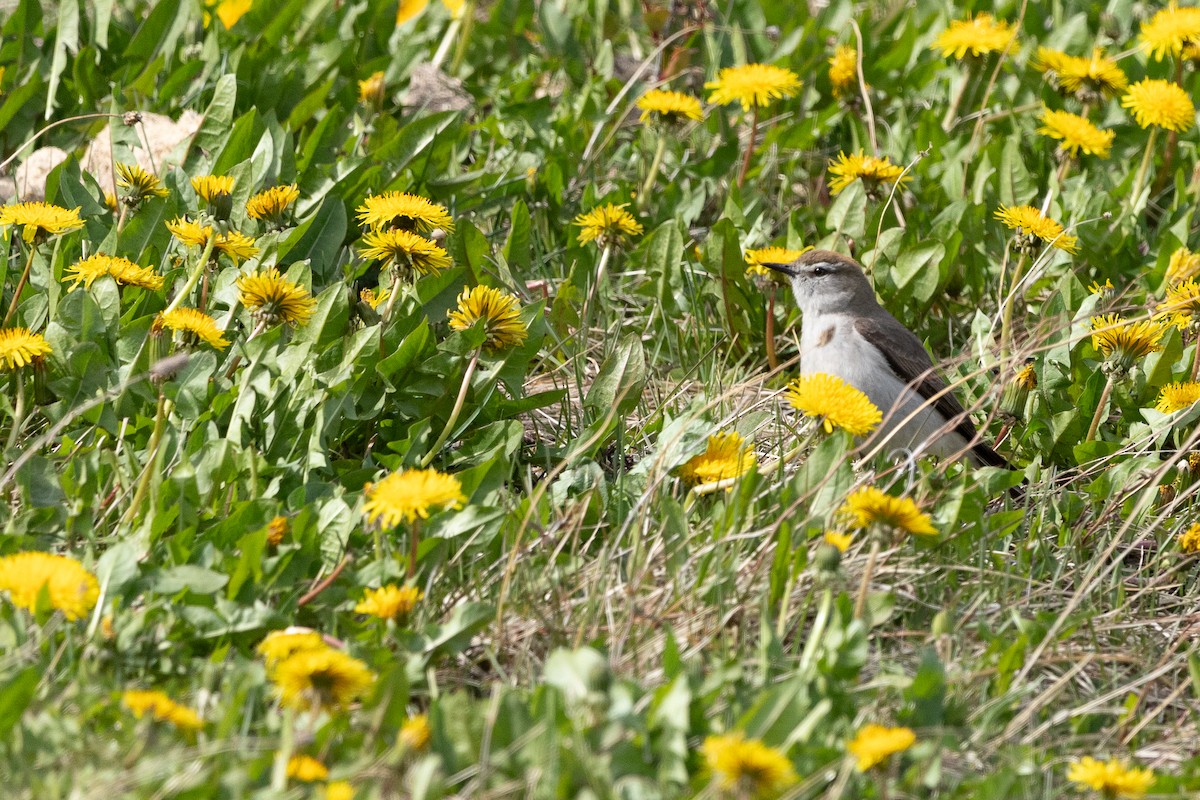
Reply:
x=908 y=359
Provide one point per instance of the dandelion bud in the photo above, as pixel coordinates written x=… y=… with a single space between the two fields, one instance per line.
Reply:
x=1166 y=494
x=41 y=391
x=827 y=558
x=371 y=92
x=1016 y=391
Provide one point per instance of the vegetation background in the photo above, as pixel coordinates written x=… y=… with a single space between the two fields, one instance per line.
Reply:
x=587 y=615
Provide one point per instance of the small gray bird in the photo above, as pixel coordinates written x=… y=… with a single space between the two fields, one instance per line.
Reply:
x=845 y=332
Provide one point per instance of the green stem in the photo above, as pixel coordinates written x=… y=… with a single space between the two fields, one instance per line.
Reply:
x=601 y=270
x=652 y=175
x=18 y=411
x=1107 y=393
x=12 y=307
x=414 y=540
x=287 y=739
x=197 y=271
x=387 y=309
x=468 y=25
x=860 y=602
x=458 y=407
x=749 y=148
x=446 y=43
x=234 y=432
x=1140 y=178
x=952 y=112
x=1007 y=312
x=143 y=484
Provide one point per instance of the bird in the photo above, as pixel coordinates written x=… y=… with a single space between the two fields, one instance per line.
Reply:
x=846 y=333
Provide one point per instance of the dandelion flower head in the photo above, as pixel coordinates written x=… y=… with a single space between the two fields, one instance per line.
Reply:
x=1189 y=540
x=306 y=769
x=499 y=312
x=405 y=249
x=409 y=495
x=19 y=347
x=747 y=767
x=193 y=322
x=834 y=402
x=874 y=743
x=120 y=269
x=752 y=85
x=159 y=706
x=1170 y=31
x=755 y=258
x=871 y=170
x=1184 y=264
x=69 y=587
x=843 y=69
x=213 y=188
x=1122 y=342
x=404 y=211
x=325 y=678
x=271 y=204
x=271 y=297
x=389 y=602
x=727 y=456
x=607 y=224
x=978 y=36
x=39 y=220
x=278 y=645
x=870 y=506
x=372 y=90
x=670 y=107
x=1160 y=103
x=1112 y=778
x=1076 y=134
x=1034 y=229
x=415 y=733
x=1088 y=79
x=1177 y=397
x=139 y=184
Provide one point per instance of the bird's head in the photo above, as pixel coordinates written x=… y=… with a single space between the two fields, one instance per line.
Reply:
x=826 y=282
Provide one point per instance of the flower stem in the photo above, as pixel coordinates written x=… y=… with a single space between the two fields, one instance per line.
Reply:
x=1140 y=178
x=1007 y=311
x=387 y=309
x=148 y=470
x=1107 y=393
x=1196 y=361
x=287 y=738
x=454 y=412
x=197 y=271
x=952 y=112
x=414 y=540
x=749 y=148
x=12 y=307
x=652 y=175
x=446 y=43
x=772 y=356
x=860 y=603
x=601 y=270
x=468 y=23
x=18 y=419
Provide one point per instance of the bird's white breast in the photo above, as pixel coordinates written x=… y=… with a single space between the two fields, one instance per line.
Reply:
x=829 y=343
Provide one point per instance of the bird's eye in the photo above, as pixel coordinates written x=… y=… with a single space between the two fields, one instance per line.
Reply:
x=820 y=270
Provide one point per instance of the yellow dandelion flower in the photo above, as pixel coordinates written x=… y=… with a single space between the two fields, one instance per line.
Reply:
x=747 y=767
x=271 y=204
x=456 y=7
x=1026 y=377
x=978 y=36
x=1160 y=103
x=1112 y=778
x=841 y=541
x=670 y=107
x=19 y=348
x=607 y=224
x=339 y=790
x=280 y=645
x=236 y=245
x=1184 y=264
x=1177 y=397
x=1170 y=31
x=406 y=250
x=1089 y=79
x=389 y=602
x=833 y=401
x=139 y=184
x=874 y=743
x=409 y=9
x=325 y=678
x=189 y=232
x=1122 y=342
x=373 y=298
x=270 y=296
x=843 y=69
x=1077 y=134
x=39 y=220
x=213 y=188
x=110 y=201
x=415 y=733
x=1034 y=229
x=196 y=323
x=372 y=90
x=408 y=212
x=409 y=495
x=229 y=12
x=69 y=587
x=755 y=258
x=1181 y=305
x=277 y=529
x=873 y=172
x=306 y=769
x=1189 y=540
x=500 y=313
x=870 y=506
x=1106 y=288
x=159 y=706
x=727 y=456
x=752 y=85
x=121 y=270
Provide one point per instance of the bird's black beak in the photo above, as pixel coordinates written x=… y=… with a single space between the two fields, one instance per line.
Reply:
x=786 y=269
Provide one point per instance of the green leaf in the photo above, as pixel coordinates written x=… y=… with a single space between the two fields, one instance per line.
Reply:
x=18 y=692
x=848 y=214
x=516 y=246
x=218 y=117
x=618 y=387
x=66 y=37
x=190 y=577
